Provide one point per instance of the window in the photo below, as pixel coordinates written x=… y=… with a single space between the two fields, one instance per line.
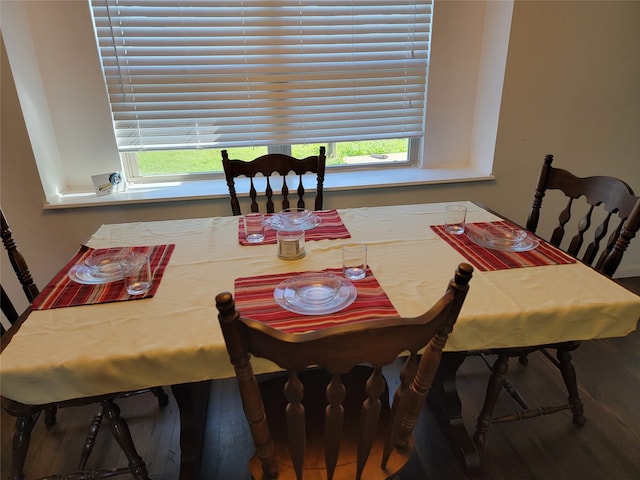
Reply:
x=55 y=64
x=195 y=75
x=152 y=164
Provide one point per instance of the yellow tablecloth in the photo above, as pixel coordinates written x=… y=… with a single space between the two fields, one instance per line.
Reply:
x=174 y=337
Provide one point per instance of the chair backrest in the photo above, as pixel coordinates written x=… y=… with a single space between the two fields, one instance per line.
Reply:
x=620 y=213
x=18 y=262
x=375 y=342
x=267 y=165
x=8 y=309
x=20 y=268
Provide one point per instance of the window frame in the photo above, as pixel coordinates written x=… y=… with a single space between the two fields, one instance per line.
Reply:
x=133 y=175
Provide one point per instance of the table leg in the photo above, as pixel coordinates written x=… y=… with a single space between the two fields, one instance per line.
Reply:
x=447 y=408
x=192 y=400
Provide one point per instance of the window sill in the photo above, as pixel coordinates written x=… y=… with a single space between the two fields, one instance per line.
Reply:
x=217 y=188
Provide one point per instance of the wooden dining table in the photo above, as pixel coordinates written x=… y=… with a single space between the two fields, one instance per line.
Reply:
x=173 y=337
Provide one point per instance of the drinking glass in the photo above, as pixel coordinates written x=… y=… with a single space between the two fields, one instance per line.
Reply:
x=454 y=219
x=354 y=261
x=254 y=227
x=136 y=270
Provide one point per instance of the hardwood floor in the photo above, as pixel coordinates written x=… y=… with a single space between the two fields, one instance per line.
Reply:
x=607 y=446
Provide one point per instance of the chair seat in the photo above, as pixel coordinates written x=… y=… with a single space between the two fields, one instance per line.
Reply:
x=345 y=469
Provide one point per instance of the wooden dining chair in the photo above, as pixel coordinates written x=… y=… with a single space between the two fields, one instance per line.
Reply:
x=27 y=415
x=608 y=217
x=268 y=165
x=328 y=436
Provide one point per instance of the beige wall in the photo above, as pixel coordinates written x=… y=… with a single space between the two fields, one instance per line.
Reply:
x=571 y=89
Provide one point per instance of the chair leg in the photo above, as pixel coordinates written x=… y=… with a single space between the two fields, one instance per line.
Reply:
x=494 y=386
x=21 y=440
x=568 y=372
x=122 y=434
x=90 y=441
x=161 y=395
x=50 y=413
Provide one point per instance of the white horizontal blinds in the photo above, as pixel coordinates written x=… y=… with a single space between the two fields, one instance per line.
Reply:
x=204 y=73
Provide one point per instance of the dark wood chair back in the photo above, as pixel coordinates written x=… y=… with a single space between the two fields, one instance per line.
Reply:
x=620 y=215
x=21 y=269
x=17 y=260
x=337 y=350
x=268 y=165
x=8 y=309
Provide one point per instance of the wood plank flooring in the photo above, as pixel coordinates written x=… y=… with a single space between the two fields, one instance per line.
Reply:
x=606 y=447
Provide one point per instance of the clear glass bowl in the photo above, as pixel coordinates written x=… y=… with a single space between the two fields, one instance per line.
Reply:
x=316 y=288
x=504 y=236
x=105 y=264
x=294 y=216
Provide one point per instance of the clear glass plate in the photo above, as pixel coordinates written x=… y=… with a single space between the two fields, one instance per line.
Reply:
x=312 y=297
x=81 y=273
x=477 y=236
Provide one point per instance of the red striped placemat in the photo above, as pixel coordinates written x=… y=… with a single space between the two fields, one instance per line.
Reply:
x=254 y=299
x=330 y=228
x=486 y=259
x=64 y=292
